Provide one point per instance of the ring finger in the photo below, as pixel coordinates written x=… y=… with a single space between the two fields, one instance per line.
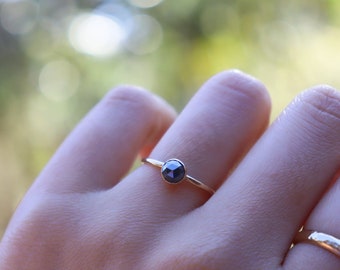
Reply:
x=219 y=124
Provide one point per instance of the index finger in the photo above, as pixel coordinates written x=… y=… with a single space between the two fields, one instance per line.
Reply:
x=104 y=145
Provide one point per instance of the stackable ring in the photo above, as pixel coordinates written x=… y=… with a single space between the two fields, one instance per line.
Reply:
x=319 y=239
x=173 y=171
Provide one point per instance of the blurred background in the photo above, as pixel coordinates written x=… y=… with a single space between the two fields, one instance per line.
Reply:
x=59 y=57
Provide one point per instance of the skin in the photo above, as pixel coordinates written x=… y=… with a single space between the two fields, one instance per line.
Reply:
x=85 y=211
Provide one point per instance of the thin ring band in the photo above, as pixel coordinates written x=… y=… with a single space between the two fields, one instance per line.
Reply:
x=319 y=239
x=173 y=172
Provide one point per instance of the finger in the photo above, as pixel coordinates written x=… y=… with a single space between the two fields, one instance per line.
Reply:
x=283 y=176
x=218 y=125
x=324 y=218
x=104 y=145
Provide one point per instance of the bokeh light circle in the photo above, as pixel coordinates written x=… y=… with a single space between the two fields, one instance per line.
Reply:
x=96 y=34
x=19 y=17
x=145 y=35
x=59 y=80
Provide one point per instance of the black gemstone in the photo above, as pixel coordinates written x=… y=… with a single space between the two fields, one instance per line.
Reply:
x=173 y=171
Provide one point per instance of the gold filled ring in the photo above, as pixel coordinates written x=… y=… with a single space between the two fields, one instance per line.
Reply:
x=173 y=171
x=323 y=240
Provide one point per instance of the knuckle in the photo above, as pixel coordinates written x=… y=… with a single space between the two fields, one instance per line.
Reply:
x=322 y=104
x=131 y=96
x=246 y=91
x=244 y=84
x=316 y=112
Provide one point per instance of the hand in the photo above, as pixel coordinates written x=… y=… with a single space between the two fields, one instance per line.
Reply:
x=86 y=212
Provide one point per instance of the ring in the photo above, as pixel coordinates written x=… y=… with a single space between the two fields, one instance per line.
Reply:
x=319 y=239
x=173 y=171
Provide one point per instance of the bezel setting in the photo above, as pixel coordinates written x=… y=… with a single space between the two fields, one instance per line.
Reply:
x=173 y=171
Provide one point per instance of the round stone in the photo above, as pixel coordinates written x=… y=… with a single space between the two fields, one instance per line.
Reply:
x=173 y=171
